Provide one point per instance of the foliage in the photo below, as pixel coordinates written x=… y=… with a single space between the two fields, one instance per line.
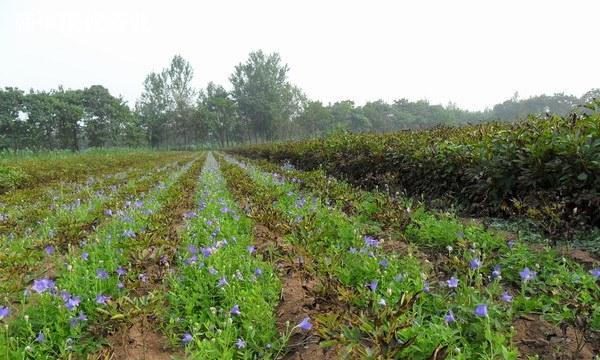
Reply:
x=546 y=169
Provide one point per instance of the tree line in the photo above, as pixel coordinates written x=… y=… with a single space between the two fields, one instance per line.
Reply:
x=260 y=105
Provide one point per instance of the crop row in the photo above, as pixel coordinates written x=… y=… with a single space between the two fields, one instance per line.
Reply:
x=546 y=169
x=65 y=311
x=463 y=306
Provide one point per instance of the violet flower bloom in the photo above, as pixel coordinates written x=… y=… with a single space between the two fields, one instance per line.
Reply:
x=85 y=256
x=251 y=249
x=371 y=241
x=222 y=282
x=506 y=297
x=449 y=317
x=352 y=250
x=258 y=272
x=72 y=302
x=190 y=214
x=452 y=282
x=129 y=233
x=481 y=310
x=142 y=277
x=206 y=251
x=426 y=288
x=102 y=299
x=108 y=212
x=235 y=310
x=120 y=285
x=4 y=312
x=212 y=271
x=41 y=338
x=186 y=338
x=384 y=263
x=305 y=324
x=42 y=285
x=49 y=249
x=595 y=273
x=511 y=244
x=475 y=264
x=496 y=273
x=101 y=274
x=240 y=343
x=373 y=285
x=192 y=249
x=121 y=271
x=527 y=274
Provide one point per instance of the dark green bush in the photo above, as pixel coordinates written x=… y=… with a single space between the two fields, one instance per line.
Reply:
x=545 y=169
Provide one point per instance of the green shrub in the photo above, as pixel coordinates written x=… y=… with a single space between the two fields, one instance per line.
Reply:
x=10 y=179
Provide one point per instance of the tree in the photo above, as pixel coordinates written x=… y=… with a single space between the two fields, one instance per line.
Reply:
x=166 y=105
x=219 y=112
x=263 y=95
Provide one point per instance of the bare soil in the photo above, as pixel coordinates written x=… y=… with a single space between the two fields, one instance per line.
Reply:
x=535 y=336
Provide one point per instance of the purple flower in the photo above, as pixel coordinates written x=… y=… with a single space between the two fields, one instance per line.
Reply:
x=129 y=233
x=4 y=312
x=240 y=343
x=139 y=203
x=258 y=272
x=224 y=209
x=49 y=249
x=373 y=285
x=121 y=271
x=426 y=288
x=120 y=285
x=384 y=263
x=206 y=251
x=190 y=215
x=75 y=320
x=449 y=317
x=108 y=212
x=452 y=282
x=496 y=272
x=235 y=310
x=85 y=256
x=191 y=260
x=527 y=274
x=101 y=274
x=352 y=250
x=251 y=249
x=305 y=324
x=506 y=297
x=212 y=270
x=222 y=282
x=102 y=299
x=475 y=264
x=186 y=338
x=481 y=310
x=72 y=302
x=595 y=273
x=192 y=249
x=42 y=285
x=371 y=241
x=40 y=337
x=142 y=277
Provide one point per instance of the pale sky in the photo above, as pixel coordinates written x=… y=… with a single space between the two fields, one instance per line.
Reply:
x=475 y=53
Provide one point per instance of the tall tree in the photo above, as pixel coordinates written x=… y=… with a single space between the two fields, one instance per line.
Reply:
x=263 y=93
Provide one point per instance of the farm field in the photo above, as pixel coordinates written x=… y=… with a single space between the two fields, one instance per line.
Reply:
x=209 y=255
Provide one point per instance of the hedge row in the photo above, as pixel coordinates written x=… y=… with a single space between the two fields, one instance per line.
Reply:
x=545 y=169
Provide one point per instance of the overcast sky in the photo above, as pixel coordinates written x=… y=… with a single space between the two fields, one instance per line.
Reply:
x=475 y=53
